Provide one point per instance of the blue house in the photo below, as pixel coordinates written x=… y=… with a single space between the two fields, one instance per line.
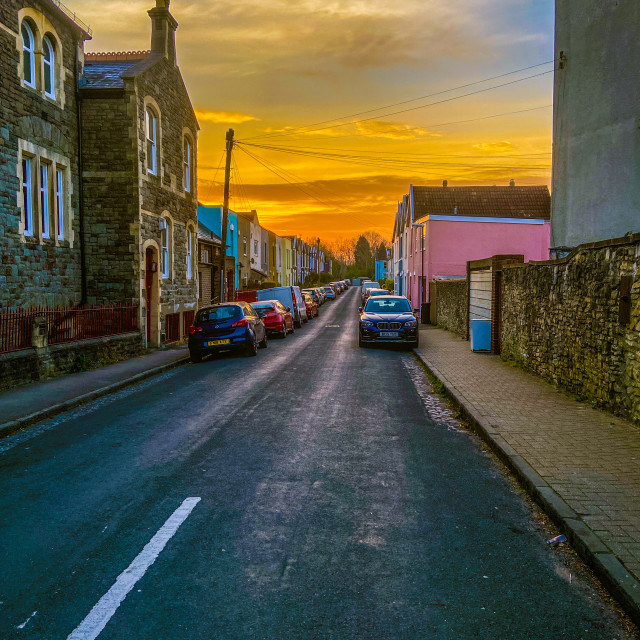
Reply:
x=381 y=270
x=211 y=217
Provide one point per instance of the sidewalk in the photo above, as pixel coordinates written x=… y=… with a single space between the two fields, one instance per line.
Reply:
x=582 y=465
x=30 y=403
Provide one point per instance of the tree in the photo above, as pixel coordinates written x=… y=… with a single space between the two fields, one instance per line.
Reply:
x=381 y=252
x=363 y=257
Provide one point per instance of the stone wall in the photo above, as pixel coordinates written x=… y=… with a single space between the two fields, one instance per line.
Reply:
x=452 y=305
x=110 y=185
x=36 y=270
x=561 y=320
x=32 y=365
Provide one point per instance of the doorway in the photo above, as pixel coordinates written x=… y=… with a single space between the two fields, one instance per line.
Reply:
x=152 y=324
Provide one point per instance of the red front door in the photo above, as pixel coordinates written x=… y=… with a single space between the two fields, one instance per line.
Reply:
x=149 y=290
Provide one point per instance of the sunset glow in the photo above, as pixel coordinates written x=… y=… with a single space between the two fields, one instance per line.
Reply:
x=268 y=68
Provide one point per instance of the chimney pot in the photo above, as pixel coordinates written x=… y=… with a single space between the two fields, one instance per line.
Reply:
x=445 y=183
x=512 y=183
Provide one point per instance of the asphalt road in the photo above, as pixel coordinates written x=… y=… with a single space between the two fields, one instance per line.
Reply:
x=338 y=499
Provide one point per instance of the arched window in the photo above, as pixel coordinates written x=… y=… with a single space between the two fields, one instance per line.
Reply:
x=186 y=163
x=28 y=57
x=165 y=246
x=151 y=126
x=48 y=59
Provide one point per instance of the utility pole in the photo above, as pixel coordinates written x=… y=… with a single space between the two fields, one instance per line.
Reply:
x=225 y=214
x=318 y=257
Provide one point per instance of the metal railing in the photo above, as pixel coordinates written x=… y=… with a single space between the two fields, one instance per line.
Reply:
x=72 y=16
x=65 y=324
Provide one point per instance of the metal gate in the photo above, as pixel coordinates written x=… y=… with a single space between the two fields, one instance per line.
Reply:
x=480 y=294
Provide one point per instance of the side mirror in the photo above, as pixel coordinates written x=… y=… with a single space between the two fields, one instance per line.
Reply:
x=360 y=309
x=288 y=308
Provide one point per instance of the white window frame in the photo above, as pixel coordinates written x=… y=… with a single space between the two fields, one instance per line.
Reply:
x=151 y=134
x=45 y=213
x=27 y=194
x=28 y=51
x=165 y=244
x=189 y=254
x=59 y=186
x=49 y=63
x=186 y=159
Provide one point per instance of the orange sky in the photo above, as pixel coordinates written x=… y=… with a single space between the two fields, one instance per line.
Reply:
x=270 y=67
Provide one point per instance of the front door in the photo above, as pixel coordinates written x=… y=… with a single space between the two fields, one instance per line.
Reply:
x=149 y=291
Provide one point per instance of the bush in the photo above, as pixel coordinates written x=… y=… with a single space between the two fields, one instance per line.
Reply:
x=268 y=284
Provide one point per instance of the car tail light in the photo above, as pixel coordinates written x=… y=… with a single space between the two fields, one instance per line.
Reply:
x=193 y=329
x=240 y=323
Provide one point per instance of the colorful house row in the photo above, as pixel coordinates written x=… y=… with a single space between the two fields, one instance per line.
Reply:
x=439 y=229
x=254 y=254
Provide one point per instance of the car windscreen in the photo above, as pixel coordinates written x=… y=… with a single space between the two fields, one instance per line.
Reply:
x=218 y=313
x=381 y=305
x=262 y=308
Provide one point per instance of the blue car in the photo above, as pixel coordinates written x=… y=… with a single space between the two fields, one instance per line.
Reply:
x=231 y=325
x=330 y=293
x=388 y=319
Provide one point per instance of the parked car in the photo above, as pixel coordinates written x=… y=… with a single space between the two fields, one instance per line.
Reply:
x=369 y=284
x=276 y=317
x=312 y=306
x=290 y=297
x=315 y=295
x=368 y=293
x=220 y=327
x=329 y=292
x=337 y=286
x=321 y=294
x=388 y=319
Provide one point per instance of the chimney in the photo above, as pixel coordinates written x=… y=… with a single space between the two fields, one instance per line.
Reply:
x=444 y=183
x=163 y=30
x=512 y=183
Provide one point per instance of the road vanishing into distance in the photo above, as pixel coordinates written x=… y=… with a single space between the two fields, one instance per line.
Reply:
x=318 y=491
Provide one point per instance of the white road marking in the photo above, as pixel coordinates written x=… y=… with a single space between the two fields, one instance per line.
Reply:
x=99 y=616
x=24 y=624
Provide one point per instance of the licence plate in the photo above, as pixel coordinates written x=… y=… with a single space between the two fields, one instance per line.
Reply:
x=388 y=334
x=215 y=343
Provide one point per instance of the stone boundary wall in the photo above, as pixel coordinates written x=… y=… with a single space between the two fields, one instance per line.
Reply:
x=32 y=365
x=570 y=322
x=452 y=305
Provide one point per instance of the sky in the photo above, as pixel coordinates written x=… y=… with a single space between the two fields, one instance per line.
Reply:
x=292 y=73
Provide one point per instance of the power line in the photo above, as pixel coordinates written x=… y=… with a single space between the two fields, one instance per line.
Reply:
x=464 y=86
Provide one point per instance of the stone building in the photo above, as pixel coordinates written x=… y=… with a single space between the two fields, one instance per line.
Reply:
x=41 y=241
x=596 y=132
x=139 y=143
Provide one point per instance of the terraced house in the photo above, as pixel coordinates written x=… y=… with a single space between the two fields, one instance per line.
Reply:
x=139 y=139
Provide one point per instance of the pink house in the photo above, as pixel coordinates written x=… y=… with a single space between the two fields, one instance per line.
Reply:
x=438 y=229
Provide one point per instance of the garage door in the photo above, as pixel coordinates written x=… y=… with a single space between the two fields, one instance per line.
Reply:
x=480 y=295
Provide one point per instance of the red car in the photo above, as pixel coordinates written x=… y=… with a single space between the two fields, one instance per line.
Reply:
x=276 y=317
x=312 y=306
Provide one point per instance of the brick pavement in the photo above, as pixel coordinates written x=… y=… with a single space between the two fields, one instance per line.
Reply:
x=591 y=459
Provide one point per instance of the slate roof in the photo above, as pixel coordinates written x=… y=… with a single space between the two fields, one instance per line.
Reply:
x=108 y=73
x=491 y=202
x=204 y=233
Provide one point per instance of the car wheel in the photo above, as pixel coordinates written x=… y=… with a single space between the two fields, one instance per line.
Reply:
x=263 y=344
x=293 y=328
x=195 y=356
x=361 y=342
x=252 y=347
x=283 y=333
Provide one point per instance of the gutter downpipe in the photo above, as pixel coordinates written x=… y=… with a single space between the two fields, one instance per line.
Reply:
x=83 y=255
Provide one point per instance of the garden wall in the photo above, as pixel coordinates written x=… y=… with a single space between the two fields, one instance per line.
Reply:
x=576 y=322
x=452 y=305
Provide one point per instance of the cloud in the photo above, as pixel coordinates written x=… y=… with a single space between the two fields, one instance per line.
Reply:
x=503 y=146
x=393 y=131
x=223 y=117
